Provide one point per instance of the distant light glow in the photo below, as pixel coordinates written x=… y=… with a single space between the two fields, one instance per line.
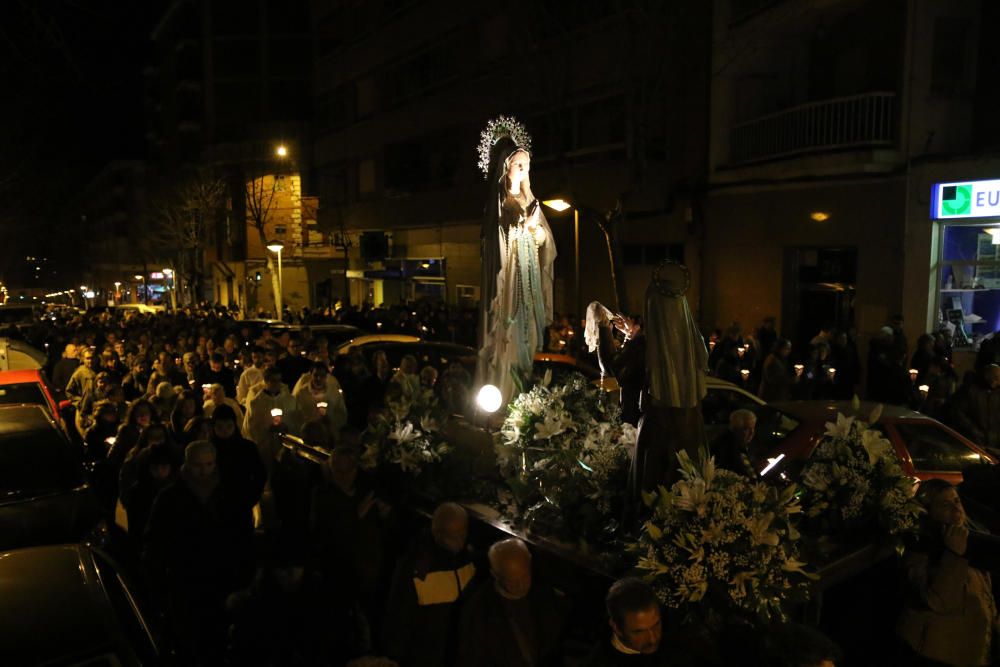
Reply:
x=819 y=216
x=281 y=151
x=557 y=204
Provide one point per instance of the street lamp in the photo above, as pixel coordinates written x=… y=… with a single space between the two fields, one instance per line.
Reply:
x=561 y=205
x=277 y=246
x=118 y=293
x=281 y=150
x=171 y=287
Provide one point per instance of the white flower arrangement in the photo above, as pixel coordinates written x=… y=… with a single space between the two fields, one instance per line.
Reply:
x=566 y=444
x=853 y=481
x=719 y=540
x=407 y=434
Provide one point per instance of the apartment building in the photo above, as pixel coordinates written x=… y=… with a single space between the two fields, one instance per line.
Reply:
x=831 y=121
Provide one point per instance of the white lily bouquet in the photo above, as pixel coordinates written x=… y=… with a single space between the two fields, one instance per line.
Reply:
x=719 y=542
x=407 y=434
x=566 y=445
x=854 y=485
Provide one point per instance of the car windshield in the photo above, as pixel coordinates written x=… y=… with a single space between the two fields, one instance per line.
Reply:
x=36 y=461
x=22 y=392
x=773 y=425
x=933 y=449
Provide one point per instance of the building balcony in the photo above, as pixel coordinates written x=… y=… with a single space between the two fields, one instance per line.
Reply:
x=868 y=121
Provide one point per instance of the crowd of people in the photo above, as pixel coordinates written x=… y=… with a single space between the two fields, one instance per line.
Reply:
x=830 y=369
x=251 y=556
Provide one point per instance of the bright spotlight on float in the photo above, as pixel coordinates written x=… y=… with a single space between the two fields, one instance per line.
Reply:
x=489 y=399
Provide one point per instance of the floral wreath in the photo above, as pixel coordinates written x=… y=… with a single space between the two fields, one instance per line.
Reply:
x=496 y=129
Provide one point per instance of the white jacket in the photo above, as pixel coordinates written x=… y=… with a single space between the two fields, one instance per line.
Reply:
x=258 y=421
x=336 y=410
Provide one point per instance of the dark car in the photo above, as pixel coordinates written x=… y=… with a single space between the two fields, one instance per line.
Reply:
x=335 y=334
x=44 y=494
x=70 y=605
x=428 y=353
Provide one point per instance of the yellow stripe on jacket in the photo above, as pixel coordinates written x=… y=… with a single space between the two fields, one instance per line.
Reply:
x=443 y=587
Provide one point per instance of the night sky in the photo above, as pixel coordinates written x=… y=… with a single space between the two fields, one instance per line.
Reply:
x=73 y=100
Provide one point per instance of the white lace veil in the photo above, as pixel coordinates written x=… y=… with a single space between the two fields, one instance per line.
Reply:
x=597 y=314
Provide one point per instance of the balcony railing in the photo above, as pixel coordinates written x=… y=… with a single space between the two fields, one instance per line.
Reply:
x=867 y=120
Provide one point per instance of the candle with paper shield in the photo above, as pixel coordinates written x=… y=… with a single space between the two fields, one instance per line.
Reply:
x=745 y=374
x=276 y=415
x=832 y=372
x=913 y=374
x=321 y=406
x=799 y=368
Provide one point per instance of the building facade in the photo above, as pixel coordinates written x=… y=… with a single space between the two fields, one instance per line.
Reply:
x=828 y=119
x=615 y=98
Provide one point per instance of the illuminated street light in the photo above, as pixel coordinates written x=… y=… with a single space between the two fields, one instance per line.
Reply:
x=277 y=246
x=281 y=150
x=561 y=205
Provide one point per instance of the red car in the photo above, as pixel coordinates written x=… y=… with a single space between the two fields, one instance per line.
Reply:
x=29 y=386
x=927 y=449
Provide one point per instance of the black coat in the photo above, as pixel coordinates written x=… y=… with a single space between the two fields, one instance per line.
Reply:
x=190 y=545
x=487 y=638
x=428 y=589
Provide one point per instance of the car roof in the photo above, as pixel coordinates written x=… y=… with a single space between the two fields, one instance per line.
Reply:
x=54 y=605
x=369 y=339
x=827 y=410
x=19 y=377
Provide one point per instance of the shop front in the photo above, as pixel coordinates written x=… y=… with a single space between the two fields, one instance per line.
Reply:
x=967 y=214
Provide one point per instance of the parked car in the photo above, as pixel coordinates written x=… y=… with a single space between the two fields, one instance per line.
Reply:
x=428 y=353
x=142 y=308
x=335 y=334
x=70 y=605
x=45 y=497
x=28 y=386
x=927 y=449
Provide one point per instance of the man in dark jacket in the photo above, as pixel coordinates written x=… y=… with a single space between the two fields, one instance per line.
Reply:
x=636 y=630
x=976 y=408
x=429 y=585
x=215 y=372
x=292 y=363
x=509 y=622
x=627 y=365
x=243 y=476
x=188 y=553
x=732 y=449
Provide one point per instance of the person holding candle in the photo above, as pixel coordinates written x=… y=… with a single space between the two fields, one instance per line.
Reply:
x=777 y=379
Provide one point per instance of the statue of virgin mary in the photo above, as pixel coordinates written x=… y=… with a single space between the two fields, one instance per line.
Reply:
x=518 y=252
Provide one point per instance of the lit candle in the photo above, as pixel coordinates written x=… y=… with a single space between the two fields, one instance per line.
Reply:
x=924 y=388
x=741 y=350
x=745 y=374
x=799 y=368
x=832 y=372
x=913 y=374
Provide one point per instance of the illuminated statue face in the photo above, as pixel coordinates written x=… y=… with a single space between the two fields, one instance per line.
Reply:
x=518 y=166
